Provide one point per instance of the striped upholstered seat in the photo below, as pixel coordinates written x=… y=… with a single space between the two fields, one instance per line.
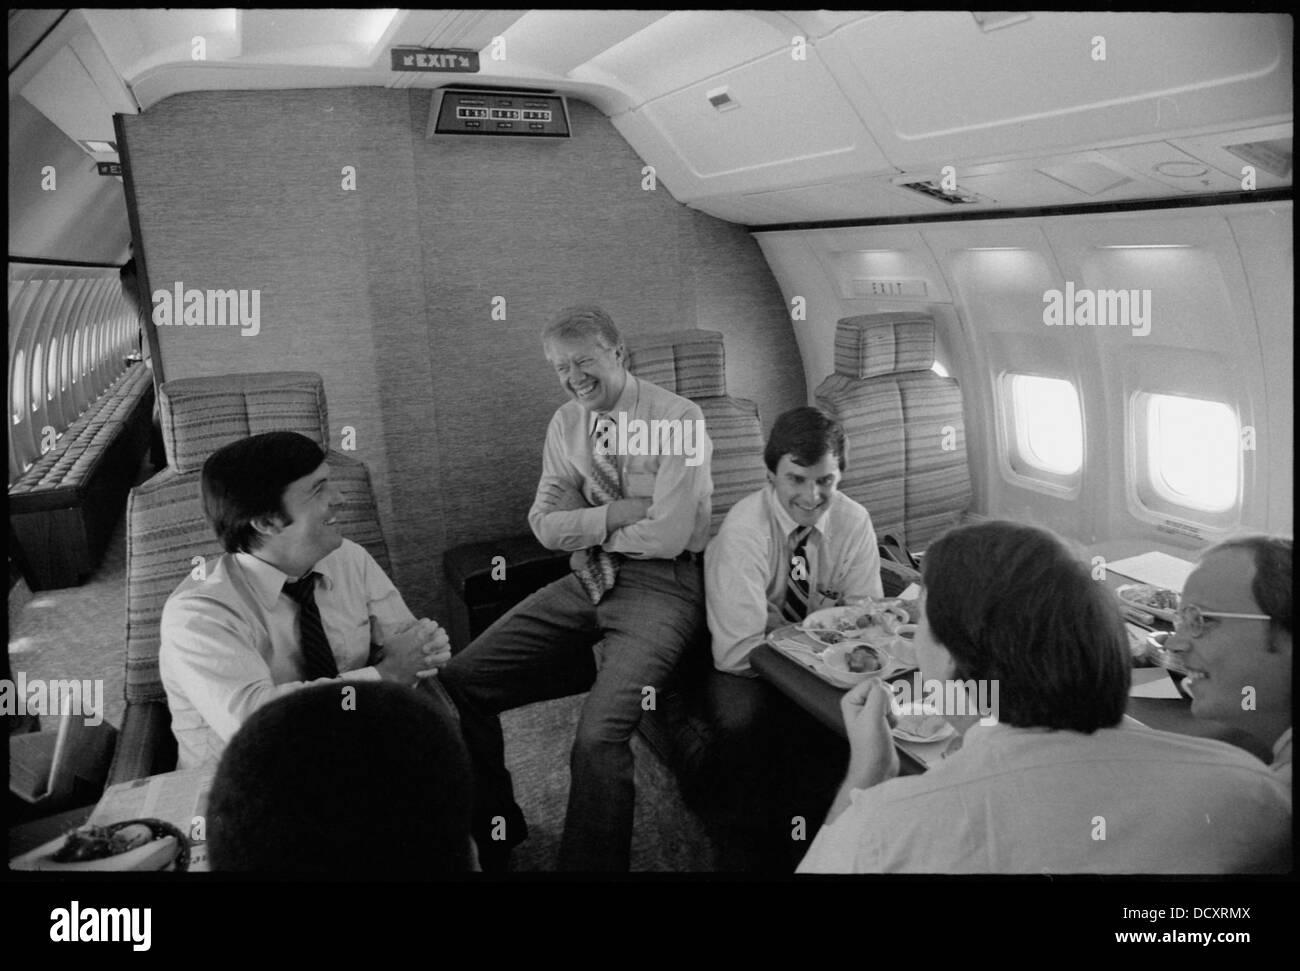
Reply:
x=907 y=437
x=692 y=363
x=168 y=536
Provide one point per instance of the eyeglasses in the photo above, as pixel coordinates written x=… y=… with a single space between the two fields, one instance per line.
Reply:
x=1190 y=619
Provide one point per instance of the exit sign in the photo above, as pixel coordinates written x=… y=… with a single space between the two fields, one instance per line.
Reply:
x=434 y=59
x=109 y=168
x=879 y=287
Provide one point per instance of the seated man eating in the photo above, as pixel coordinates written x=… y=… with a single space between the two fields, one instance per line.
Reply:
x=1058 y=783
x=291 y=601
x=791 y=548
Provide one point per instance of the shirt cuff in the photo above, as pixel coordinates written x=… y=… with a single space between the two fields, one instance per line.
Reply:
x=369 y=673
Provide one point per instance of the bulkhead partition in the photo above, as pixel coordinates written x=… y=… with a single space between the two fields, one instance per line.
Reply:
x=71 y=330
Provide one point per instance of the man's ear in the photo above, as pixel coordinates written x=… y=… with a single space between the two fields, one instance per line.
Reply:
x=267 y=526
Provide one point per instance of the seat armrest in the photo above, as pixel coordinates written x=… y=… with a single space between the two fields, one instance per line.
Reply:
x=895 y=577
x=145 y=744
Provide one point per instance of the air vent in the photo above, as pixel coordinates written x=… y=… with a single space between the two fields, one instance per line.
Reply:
x=721 y=99
x=1273 y=157
x=957 y=197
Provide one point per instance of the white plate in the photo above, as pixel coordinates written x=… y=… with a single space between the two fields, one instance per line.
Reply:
x=1127 y=595
x=916 y=726
x=835 y=660
x=843 y=621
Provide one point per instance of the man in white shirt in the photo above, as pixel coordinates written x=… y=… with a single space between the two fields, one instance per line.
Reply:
x=238 y=638
x=1233 y=630
x=636 y=519
x=1059 y=783
x=789 y=549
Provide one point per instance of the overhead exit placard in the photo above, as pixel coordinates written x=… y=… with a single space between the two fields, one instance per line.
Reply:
x=434 y=59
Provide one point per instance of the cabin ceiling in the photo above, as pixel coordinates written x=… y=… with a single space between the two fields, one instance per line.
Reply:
x=832 y=114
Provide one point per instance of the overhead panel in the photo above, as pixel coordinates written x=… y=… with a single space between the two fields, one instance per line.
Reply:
x=791 y=124
x=558 y=41
x=1055 y=80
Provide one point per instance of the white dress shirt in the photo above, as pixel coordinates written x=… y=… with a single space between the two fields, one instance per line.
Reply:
x=747 y=569
x=680 y=493
x=1023 y=800
x=230 y=642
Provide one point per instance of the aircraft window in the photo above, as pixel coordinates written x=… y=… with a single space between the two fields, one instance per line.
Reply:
x=37 y=385
x=1193 y=452
x=63 y=367
x=76 y=355
x=939 y=369
x=52 y=371
x=19 y=385
x=1048 y=424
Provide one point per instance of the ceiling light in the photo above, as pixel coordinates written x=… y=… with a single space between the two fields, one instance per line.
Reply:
x=93 y=145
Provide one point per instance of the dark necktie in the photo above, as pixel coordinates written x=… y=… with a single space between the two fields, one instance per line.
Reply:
x=317 y=658
x=595 y=568
x=795 y=606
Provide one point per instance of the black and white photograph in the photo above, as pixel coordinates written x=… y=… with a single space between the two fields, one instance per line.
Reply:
x=717 y=451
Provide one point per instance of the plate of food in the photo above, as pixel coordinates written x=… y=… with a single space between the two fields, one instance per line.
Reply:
x=850 y=662
x=915 y=725
x=133 y=844
x=1157 y=601
x=871 y=622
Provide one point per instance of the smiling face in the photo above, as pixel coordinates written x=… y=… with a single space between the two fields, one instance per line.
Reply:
x=306 y=534
x=805 y=491
x=1232 y=654
x=592 y=374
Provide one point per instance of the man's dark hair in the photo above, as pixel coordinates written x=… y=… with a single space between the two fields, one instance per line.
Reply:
x=1272 y=586
x=1012 y=603
x=245 y=480
x=319 y=784
x=807 y=434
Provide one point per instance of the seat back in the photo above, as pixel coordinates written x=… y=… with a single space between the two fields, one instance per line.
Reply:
x=905 y=425
x=692 y=363
x=168 y=536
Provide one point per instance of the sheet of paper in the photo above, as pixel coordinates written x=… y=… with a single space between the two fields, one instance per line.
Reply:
x=1157 y=569
x=1159 y=686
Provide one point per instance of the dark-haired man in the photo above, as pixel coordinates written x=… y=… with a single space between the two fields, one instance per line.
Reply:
x=290 y=602
x=636 y=524
x=1233 y=629
x=793 y=547
x=378 y=805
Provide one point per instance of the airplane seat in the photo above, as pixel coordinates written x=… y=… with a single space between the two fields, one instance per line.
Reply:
x=168 y=535
x=64 y=509
x=907 y=441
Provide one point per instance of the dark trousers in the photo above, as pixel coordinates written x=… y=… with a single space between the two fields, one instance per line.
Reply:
x=556 y=643
x=775 y=772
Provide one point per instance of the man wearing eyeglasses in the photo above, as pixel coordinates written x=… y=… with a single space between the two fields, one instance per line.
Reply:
x=1233 y=631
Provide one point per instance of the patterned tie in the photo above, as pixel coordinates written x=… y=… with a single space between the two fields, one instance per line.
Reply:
x=795 y=605
x=317 y=658
x=595 y=568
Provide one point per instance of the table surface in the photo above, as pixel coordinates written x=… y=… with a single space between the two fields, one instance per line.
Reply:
x=822 y=699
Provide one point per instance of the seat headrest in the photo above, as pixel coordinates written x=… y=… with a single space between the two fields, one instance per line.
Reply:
x=691 y=363
x=870 y=345
x=200 y=415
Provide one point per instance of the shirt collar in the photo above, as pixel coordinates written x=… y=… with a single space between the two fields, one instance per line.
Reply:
x=785 y=522
x=268 y=581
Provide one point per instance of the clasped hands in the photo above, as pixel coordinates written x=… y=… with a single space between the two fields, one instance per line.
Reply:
x=415 y=651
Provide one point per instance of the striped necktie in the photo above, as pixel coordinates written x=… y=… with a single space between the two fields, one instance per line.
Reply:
x=795 y=606
x=595 y=568
x=317 y=658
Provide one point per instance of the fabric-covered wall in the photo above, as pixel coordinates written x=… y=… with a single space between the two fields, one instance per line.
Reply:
x=388 y=290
